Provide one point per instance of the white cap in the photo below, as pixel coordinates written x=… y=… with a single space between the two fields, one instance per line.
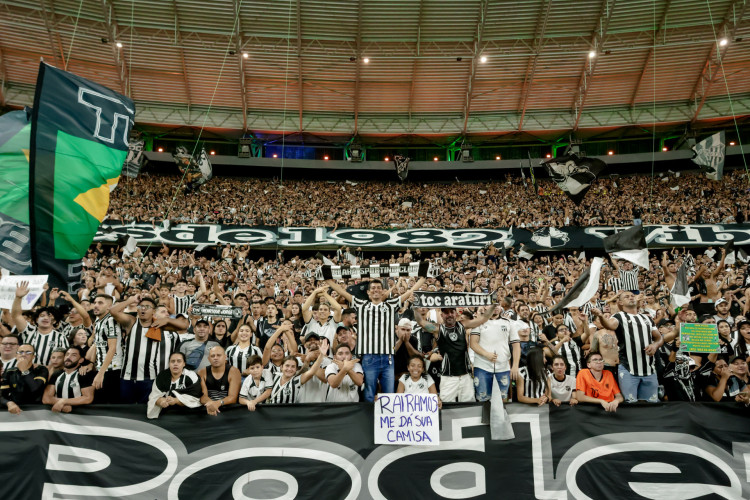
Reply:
x=405 y=322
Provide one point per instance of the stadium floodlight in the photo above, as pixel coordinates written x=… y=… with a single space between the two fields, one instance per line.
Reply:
x=466 y=152
x=356 y=153
x=245 y=150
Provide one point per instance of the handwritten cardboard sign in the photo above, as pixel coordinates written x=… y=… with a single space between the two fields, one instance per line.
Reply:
x=407 y=419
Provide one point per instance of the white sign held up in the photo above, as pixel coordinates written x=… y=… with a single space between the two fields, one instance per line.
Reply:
x=407 y=419
x=8 y=290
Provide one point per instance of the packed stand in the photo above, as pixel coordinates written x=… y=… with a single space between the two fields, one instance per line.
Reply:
x=369 y=204
x=130 y=334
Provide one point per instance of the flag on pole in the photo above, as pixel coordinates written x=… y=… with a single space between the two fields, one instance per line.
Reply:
x=680 y=293
x=742 y=255
x=526 y=253
x=79 y=141
x=573 y=174
x=583 y=289
x=500 y=426
x=630 y=245
x=135 y=158
x=531 y=175
x=15 y=250
x=709 y=155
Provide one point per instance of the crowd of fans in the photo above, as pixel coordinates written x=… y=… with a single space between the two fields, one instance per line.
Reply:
x=134 y=332
x=502 y=203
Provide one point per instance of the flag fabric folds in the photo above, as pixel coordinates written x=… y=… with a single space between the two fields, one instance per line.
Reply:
x=680 y=293
x=574 y=174
x=15 y=250
x=135 y=158
x=79 y=141
x=730 y=254
x=629 y=245
x=402 y=166
x=583 y=289
x=709 y=155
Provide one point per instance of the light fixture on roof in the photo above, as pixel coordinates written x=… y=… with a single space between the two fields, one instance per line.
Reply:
x=119 y=45
x=610 y=153
x=325 y=157
x=665 y=148
x=435 y=159
x=275 y=155
x=366 y=60
x=731 y=143
x=246 y=149
x=212 y=153
x=497 y=157
x=356 y=152
x=159 y=150
x=723 y=42
x=386 y=159
x=483 y=59
x=245 y=55
x=592 y=54
x=466 y=152
x=549 y=155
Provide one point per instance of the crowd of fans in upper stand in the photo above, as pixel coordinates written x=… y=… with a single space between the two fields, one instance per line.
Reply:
x=501 y=203
x=131 y=334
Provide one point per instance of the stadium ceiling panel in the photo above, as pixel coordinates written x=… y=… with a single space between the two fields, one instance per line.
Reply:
x=393 y=67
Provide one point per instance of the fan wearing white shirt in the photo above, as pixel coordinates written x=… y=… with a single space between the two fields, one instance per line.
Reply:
x=416 y=380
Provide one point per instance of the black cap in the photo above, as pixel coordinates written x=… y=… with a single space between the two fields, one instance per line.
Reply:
x=202 y=321
x=312 y=335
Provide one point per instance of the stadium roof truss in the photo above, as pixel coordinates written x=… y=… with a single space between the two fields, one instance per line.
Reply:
x=444 y=67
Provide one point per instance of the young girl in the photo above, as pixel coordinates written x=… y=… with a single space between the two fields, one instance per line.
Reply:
x=239 y=353
x=533 y=383
x=287 y=383
x=416 y=381
x=344 y=375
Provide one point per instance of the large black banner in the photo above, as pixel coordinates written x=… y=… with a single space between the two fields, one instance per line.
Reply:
x=670 y=451
x=565 y=238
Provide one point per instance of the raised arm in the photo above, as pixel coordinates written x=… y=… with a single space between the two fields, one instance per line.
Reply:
x=608 y=323
x=79 y=308
x=118 y=312
x=407 y=294
x=311 y=372
x=340 y=290
x=307 y=305
x=479 y=319
x=22 y=288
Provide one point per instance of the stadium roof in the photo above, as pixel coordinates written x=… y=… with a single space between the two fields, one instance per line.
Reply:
x=582 y=67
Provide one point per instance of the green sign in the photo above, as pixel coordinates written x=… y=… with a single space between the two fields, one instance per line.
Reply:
x=699 y=337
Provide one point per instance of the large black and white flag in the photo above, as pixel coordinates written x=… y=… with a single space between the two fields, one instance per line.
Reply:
x=414 y=269
x=402 y=166
x=630 y=245
x=526 y=253
x=680 y=293
x=583 y=289
x=196 y=172
x=742 y=255
x=573 y=174
x=135 y=158
x=709 y=154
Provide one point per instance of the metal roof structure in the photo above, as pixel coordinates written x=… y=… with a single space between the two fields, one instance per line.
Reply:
x=393 y=67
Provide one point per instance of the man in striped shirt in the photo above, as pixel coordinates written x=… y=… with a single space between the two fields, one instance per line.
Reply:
x=43 y=336
x=146 y=345
x=108 y=352
x=376 y=319
x=67 y=388
x=638 y=339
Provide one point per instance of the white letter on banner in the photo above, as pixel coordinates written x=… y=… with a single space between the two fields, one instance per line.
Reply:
x=304 y=236
x=292 y=487
x=115 y=120
x=479 y=488
x=94 y=460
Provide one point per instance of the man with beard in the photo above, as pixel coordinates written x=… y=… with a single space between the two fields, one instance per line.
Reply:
x=146 y=346
x=638 y=339
x=68 y=388
x=107 y=356
x=23 y=384
x=196 y=350
x=44 y=337
x=315 y=390
x=455 y=376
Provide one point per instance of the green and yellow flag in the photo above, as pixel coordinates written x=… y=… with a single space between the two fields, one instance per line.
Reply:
x=78 y=143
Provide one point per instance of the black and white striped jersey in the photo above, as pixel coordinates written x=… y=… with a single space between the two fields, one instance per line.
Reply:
x=144 y=358
x=251 y=389
x=571 y=351
x=377 y=325
x=182 y=304
x=43 y=344
x=69 y=385
x=629 y=279
x=633 y=335
x=238 y=356
x=286 y=393
x=7 y=365
x=186 y=379
x=533 y=389
x=106 y=328
x=614 y=284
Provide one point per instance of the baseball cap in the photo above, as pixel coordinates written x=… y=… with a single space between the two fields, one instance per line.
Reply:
x=405 y=322
x=312 y=335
